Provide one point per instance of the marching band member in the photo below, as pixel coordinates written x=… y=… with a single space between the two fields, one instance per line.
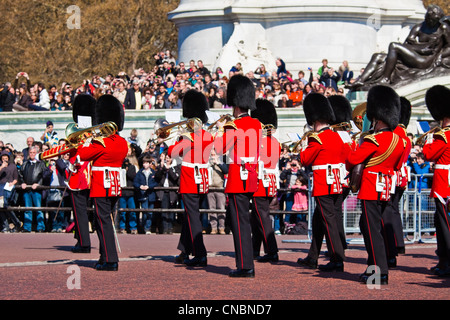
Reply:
x=383 y=153
x=267 y=186
x=323 y=152
x=392 y=220
x=437 y=149
x=343 y=113
x=241 y=137
x=194 y=147
x=79 y=179
x=107 y=155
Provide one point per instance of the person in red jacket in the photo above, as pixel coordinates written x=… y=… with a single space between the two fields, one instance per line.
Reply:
x=241 y=137
x=268 y=172
x=437 y=149
x=383 y=153
x=79 y=178
x=323 y=152
x=107 y=156
x=193 y=147
x=392 y=220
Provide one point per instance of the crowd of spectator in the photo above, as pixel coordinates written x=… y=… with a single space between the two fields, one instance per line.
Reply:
x=26 y=181
x=163 y=86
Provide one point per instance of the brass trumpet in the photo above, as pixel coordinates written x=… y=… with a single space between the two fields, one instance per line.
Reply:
x=227 y=117
x=77 y=137
x=304 y=137
x=343 y=126
x=423 y=136
x=268 y=129
x=163 y=130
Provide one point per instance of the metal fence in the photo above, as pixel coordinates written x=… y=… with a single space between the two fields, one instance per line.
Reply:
x=416 y=208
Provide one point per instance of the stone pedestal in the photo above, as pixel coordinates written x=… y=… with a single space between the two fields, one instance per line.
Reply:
x=224 y=32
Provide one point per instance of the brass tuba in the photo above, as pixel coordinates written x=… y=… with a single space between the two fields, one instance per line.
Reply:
x=356 y=174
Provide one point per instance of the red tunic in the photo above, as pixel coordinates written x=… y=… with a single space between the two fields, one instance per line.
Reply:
x=402 y=174
x=438 y=151
x=377 y=177
x=81 y=178
x=269 y=156
x=194 y=148
x=106 y=164
x=325 y=152
x=241 y=138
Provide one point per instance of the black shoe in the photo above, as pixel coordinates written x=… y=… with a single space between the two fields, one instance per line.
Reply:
x=107 y=266
x=307 y=263
x=268 y=258
x=392 y=263
x=366 y=278
x=332 y=267
x=80 y=249
x=196 y=262
x=242 y=273
x=401 y=250
x=181 y=258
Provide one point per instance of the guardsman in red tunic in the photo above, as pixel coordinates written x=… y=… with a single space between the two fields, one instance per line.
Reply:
x=392 y=220
x=343 y=113
x=79 y=175
x=437 y=149
x=268 y=172
x=383 y=153
x=193 y=147
x=107 y=156
x=323 y=152
x=241 y=138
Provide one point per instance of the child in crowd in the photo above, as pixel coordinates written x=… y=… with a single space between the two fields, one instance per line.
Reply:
x=300 y=189
x=145 y=183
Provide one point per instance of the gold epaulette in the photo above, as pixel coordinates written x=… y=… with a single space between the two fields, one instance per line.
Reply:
x=441 y=133
x=315 y=136
x=371 y=138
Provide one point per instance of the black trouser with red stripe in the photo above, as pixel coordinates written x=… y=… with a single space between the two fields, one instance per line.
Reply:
x=80 y=202
x=239 y=211
x=191 y=237
x=103 y=208
x=442 y=224
x=392 y=224
x=262 y=229
x=370 y=224
x=325 y=222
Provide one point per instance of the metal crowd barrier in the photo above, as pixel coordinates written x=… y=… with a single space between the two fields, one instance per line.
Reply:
x=416 y=209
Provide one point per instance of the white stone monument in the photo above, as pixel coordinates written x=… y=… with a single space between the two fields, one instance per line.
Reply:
x=301 y=32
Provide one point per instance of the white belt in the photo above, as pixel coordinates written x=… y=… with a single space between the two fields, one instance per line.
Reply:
x=194 y=165
x=442 y=166
x=326 y=166
x=273 y=171
x=106 y=168
x=248 y=159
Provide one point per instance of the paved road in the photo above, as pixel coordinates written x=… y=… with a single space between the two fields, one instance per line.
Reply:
x=41 y=267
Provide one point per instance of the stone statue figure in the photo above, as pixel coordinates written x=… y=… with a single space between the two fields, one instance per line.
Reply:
x=426 y=50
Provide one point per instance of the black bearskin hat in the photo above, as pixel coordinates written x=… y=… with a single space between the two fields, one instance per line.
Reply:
x=383 y=104
x=437 y=100
x=265 y=112
x=109 y=108
x=405 y=111
x=84 y=105
x=241 y=92
x=195 y=105
x=341 y=108
x=317 y=107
